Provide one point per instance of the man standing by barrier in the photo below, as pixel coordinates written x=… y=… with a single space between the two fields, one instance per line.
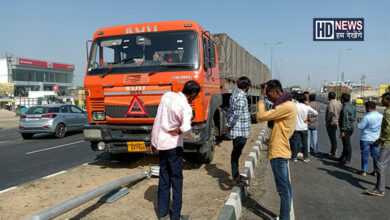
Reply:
x=284 y=115
x=313 y=125
x=370 y=128
x=384 y=152
x=172 y=120
x=331 y=120
x=238 y=125
x=346 y=123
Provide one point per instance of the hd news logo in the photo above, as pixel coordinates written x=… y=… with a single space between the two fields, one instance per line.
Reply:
x=338 y=29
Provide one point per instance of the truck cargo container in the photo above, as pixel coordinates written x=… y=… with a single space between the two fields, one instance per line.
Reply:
x=130 y=67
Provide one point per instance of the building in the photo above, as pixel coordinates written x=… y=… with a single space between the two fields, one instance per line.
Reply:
x=36 y=75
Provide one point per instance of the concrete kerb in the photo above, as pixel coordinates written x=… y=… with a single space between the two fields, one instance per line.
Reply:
x=233 y=206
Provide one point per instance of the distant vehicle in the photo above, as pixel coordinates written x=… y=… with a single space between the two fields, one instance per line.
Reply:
x=54 y=119
x=295 y=89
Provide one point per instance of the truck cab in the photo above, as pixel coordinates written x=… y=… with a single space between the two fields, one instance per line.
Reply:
x=131 y=67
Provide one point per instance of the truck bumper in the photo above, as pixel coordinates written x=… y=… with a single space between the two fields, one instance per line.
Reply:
x=115 y=138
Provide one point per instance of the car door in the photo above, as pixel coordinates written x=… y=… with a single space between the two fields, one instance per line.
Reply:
x=67 y=117
x=79 y=116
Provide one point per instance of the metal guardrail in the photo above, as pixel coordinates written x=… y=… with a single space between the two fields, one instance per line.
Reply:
x=85 y=197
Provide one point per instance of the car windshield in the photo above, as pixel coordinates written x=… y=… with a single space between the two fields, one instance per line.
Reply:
x=42 y=110
x=144 y=52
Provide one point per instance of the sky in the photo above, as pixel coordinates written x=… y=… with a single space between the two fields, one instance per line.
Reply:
x=57 y=31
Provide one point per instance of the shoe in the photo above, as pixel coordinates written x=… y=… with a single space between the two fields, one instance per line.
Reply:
x=300 y=155
x=295 y=160
x=345 y=162
x=361 y=173
x=375 y=192
x=165 y=217
x=340 y=159
x=374 y=173
x=307 y=160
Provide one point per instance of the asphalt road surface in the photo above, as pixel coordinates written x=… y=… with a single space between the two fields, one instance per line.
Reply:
x=23 y=161
x=323 y=189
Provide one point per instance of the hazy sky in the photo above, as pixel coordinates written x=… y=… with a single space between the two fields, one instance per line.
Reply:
x=57 y=31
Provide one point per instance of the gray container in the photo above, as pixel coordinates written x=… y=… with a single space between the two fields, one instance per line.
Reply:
x=234 y=61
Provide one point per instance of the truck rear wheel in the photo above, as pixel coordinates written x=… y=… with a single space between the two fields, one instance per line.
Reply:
x=207 y=150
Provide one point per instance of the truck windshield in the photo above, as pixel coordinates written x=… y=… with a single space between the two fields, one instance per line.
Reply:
x=144 y=52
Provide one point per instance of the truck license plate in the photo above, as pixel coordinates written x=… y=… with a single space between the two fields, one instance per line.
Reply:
x=136 y=146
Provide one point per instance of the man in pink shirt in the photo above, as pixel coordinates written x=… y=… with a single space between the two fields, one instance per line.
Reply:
x=173 y=118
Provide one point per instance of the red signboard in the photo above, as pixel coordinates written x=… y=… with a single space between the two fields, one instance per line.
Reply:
x=63 y=66
x=32 y=62
x=45 y=64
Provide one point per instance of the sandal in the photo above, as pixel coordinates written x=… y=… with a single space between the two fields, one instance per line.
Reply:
x=244 y=177
x=241 y=182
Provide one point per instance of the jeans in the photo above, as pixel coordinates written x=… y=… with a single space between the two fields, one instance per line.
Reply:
x=238 y=145
x=347 y=148
x=312 y=134
x=283 y=186
x=171 y=174
x=382 y=163
x=366 y=148
x=332 y=130
x=303 y=136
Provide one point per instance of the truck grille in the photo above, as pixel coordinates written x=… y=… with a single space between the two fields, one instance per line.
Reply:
x=115 y=111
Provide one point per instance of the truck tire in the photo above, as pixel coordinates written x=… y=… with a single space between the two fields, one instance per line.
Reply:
x=207 y=150
x=27 y=135
x=254 y=119
x=60 y=131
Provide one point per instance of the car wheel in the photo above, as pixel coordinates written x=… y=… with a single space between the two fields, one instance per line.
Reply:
x=27 y=135
x=60 y=131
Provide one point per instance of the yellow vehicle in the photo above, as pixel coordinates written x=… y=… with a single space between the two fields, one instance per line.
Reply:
x=359 y=102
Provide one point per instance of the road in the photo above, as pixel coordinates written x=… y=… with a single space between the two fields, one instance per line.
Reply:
x=323 y=189
x=23 y=161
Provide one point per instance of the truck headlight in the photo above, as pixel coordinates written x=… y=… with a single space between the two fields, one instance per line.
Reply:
x=99 y=116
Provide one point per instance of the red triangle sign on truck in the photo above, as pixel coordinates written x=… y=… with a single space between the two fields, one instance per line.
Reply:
x=136 y=108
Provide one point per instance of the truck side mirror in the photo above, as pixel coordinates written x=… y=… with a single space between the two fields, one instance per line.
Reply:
x=87 y=47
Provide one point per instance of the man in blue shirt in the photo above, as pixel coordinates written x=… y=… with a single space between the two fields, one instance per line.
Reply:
x=370 y=128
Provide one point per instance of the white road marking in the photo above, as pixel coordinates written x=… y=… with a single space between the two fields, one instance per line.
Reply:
x=292 y=213
x=50 y=148
x=1 y=142
x=6 y=190
x=46 y=177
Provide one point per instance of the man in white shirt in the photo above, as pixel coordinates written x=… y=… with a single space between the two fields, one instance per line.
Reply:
x=301 y=128
x=172 y=120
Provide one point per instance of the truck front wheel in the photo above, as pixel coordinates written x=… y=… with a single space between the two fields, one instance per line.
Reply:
x=207 y=150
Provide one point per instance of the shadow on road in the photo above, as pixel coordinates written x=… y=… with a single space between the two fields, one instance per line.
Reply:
x=106 y=160
x=329 y=162
x=347 y=177
x=41 y=136
x=257 y=209
x=224 y=180
x=151 y=195
x=87 y=211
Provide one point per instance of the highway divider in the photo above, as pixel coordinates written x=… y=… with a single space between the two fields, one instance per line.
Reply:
x=233 y=206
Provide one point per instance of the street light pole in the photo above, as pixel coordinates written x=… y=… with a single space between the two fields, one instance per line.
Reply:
x=272 y=53
x=338 y=69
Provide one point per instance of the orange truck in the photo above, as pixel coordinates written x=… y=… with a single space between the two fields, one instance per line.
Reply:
x=130 y=67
